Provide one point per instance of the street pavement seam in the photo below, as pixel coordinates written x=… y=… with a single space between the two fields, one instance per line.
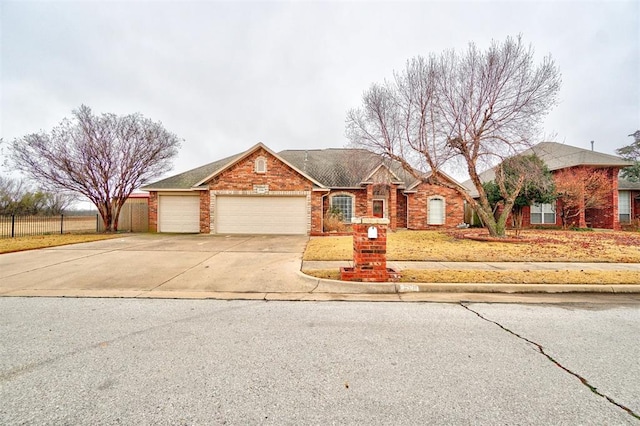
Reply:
x=540 y=348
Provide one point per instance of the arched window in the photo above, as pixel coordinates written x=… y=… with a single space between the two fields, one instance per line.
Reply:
x=344 y=203
x=261 y=165
x=436 y=211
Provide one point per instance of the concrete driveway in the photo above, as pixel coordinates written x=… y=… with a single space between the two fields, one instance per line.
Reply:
x=157 y=264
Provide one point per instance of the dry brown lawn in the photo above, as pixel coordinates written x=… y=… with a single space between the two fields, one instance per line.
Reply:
x=451 y=246
x=503 y=277
x=8 y=245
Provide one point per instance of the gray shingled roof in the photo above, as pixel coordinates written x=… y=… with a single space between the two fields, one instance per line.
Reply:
x=559 y=156
x=187 y=179
x=333 y=168
x=627 y=185
x=341 y=168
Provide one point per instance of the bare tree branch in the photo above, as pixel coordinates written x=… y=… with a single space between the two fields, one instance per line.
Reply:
x=477 y=106
x=101 y=157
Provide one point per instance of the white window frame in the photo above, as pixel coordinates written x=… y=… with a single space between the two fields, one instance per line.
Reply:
x=544 y=211
x=443 y=216
x=622 y=211
x=260 y=165
x=353 y=202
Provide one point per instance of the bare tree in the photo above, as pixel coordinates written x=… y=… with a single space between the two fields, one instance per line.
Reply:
x=101 y=157
x=477 y=107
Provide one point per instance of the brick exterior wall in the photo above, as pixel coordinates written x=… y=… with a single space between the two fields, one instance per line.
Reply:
x=242 y=176
x=605 y=217
x=204 y=212
x=317 y=211
x=401 y=209
x=418 y=202
x=153 y=211
x=242 y=179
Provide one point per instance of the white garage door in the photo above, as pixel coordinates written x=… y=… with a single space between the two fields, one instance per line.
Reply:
x=179 y=213
x=261 y=215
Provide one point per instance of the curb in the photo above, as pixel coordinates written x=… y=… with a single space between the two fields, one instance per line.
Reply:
x=349 y=287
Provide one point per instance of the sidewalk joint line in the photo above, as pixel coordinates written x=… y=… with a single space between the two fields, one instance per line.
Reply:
x=541 y=350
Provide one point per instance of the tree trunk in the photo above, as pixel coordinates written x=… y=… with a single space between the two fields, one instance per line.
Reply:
x=117 y=207
x=106 y=212
x=516 y=214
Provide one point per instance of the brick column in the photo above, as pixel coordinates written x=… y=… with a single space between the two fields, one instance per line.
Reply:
x=153 y=211
x=205 y=227
x=369 y=254
x=393 y=207
x=369 y=201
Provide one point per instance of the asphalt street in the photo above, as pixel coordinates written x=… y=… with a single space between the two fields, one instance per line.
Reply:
x=150 y=361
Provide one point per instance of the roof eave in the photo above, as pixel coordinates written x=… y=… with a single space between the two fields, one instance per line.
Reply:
x=172 y=189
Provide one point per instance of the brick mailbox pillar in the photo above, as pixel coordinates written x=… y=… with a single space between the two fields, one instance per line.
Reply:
x=369 y=252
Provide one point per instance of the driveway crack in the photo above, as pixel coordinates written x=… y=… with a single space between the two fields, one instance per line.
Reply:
x=541 y=349
x=181 y=273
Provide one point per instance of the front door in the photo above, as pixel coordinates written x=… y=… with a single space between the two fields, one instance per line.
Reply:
x=378 y=208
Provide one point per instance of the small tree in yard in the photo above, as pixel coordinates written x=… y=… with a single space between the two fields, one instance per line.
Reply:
x=536 y=186
x=479 y=107
x=631 y=153
x=101 y=157
x=579 y=189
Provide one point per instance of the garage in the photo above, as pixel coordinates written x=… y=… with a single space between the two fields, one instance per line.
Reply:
x=261 y=215
x=179 y=213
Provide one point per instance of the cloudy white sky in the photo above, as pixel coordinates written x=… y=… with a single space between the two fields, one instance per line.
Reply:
x=226 y=75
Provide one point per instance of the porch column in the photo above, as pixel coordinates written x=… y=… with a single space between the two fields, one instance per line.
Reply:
x=369 y=201
x=393 y=206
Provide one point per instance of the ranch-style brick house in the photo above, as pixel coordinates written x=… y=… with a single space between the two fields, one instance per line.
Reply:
x=259 y=191
x=622 y=205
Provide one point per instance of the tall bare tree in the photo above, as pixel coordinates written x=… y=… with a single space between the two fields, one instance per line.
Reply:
x=102 y=157
x=479 y=107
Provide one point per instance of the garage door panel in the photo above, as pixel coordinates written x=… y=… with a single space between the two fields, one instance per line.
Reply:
x=261 y=215
x=179 y=213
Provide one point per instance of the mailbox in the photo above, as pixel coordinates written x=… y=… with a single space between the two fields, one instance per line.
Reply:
x=372 y=232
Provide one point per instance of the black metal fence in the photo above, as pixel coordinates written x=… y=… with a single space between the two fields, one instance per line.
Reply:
x=20 y=226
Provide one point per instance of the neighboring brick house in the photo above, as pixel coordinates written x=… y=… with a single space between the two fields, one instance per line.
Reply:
x=621 y=205
x=262 y=192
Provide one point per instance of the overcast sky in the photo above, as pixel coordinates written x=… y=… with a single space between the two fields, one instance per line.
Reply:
x=226 y=75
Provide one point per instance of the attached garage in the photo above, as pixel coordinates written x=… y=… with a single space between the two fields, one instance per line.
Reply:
x=179 y=213
x=261 y=215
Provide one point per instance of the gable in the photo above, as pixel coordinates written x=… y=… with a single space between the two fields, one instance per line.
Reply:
x=447 y=180
x=382 y=174
x=260 y=170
